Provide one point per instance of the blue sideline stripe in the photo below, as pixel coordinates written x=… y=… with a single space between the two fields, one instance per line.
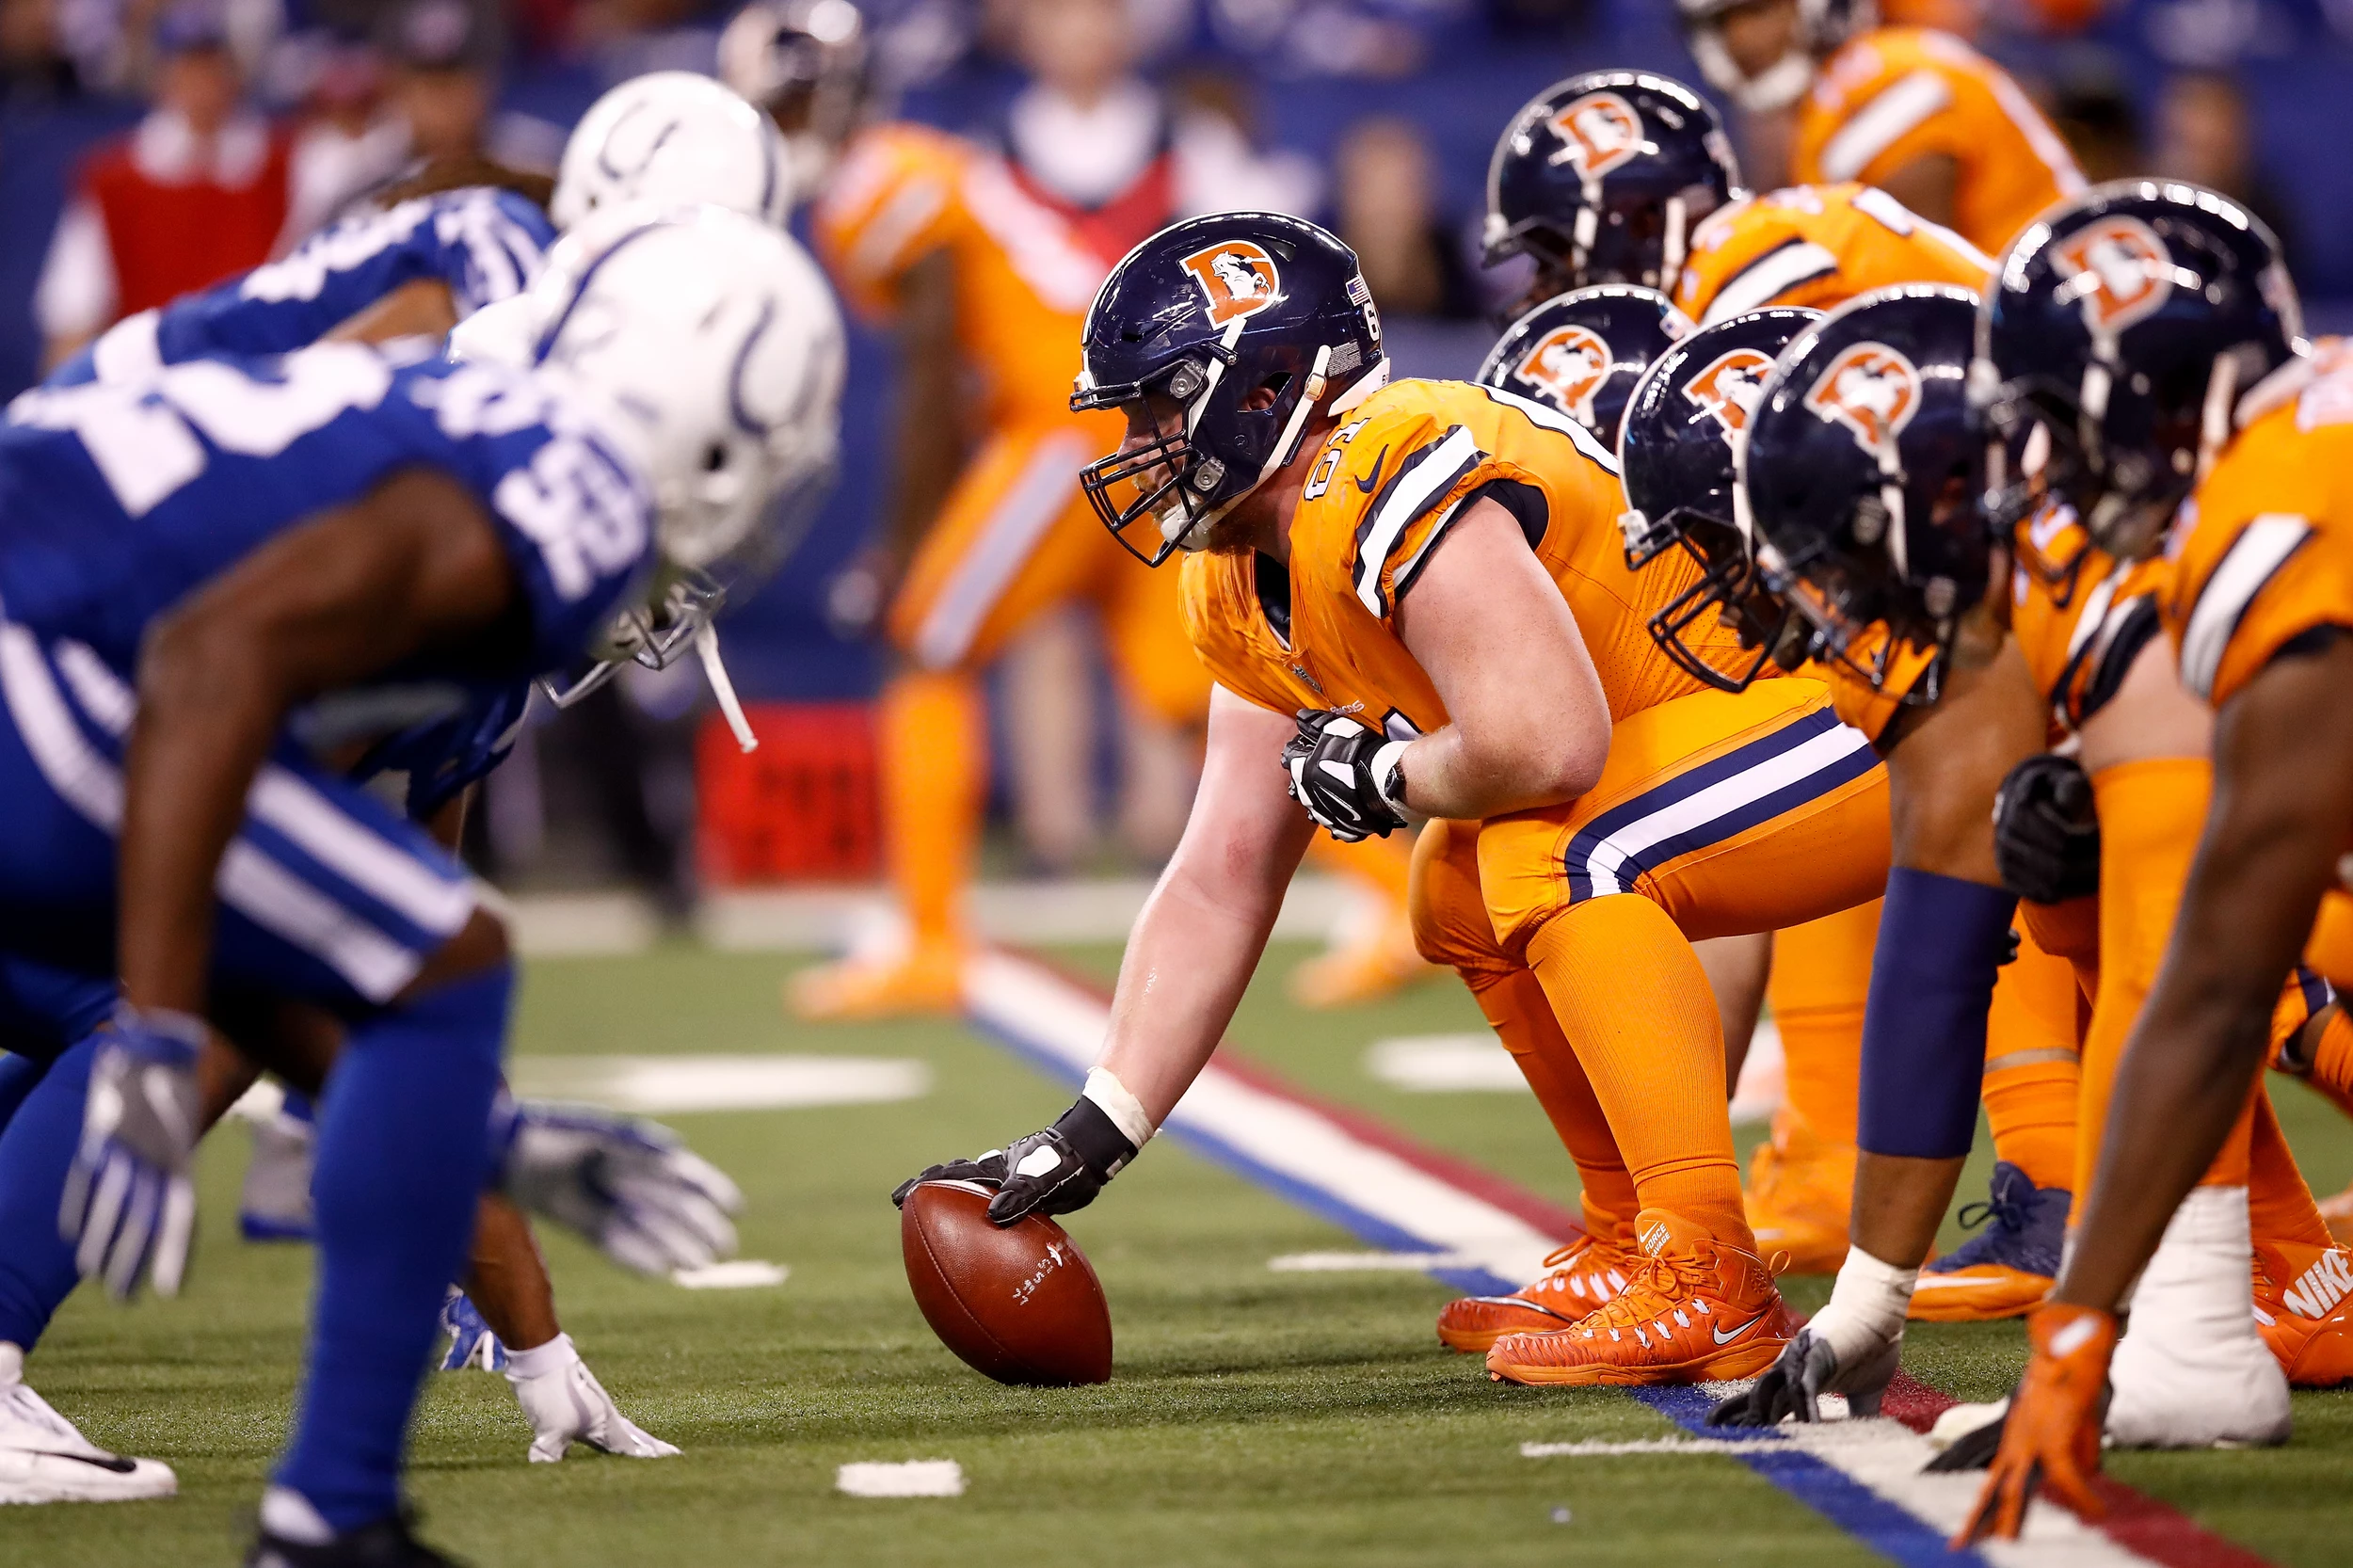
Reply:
x=1878 y=1524
x=1881 y=1525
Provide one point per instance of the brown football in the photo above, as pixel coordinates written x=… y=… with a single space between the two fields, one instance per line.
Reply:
x=1020 y=1305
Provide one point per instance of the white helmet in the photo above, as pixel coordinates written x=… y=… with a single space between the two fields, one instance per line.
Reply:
x=674 y=139
x=706 y=347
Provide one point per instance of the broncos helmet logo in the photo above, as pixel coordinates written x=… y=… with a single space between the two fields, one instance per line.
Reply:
x=2117 y=271
x=1871 y=389
x=1728 y=387
x=1568 y=365
x=1599 y=133
x=1237 y=278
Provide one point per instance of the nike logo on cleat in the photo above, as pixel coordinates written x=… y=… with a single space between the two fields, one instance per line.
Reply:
x=1723 y=1339
x=108 y=1463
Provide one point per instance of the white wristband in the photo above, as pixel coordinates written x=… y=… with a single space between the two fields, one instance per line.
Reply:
x=1865 y=1311
x=1385 y=765
x=1112 y=1097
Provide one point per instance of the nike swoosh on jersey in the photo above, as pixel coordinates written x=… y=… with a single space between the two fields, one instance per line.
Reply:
x=1370 y=480
x=1723 y=1339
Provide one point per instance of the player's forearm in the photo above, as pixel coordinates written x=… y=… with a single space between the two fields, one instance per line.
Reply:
x=1450 y=773
x=1187 y=965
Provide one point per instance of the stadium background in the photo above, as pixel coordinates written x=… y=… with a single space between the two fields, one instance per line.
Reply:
x=1374 y=112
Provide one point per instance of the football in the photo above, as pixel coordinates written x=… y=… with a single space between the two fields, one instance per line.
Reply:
x=1020 y=1305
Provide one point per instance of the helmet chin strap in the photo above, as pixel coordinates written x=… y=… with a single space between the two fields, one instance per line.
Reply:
x=2213 y=424
x=707 y=649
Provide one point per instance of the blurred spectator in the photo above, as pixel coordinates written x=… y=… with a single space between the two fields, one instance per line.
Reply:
x=350 y=141
x=1385 y=205
x=446 y=59
x=2092 y=106
x=199 y=190
x=2203 y=136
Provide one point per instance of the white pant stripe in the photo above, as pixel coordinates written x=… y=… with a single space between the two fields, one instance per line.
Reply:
x=1033 y=503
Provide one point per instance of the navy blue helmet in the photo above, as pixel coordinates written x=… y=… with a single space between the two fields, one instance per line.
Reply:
x=2121 y=331
x=1222 y=338
x=1603 y=177
x=1582 y=352
x=1858 y=471
x=1677 y=455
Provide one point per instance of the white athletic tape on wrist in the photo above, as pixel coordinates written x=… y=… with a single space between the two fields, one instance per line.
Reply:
x=1112 y=1097
x=1867 y=1306
x=1384 y=762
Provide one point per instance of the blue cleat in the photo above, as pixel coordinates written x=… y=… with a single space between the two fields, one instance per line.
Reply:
x=470 y=1341
x=2005 y=1269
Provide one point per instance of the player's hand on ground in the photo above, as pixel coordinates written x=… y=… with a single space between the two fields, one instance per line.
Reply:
x=130 y=1203
x=2046 y=836
x=1051 y=1172
x=566 y=1405
x=1809 y=1367
x=2051 y=1437
x=1348 y=778
x=630 y=1186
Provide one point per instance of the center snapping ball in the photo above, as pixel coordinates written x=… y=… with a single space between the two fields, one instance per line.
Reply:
x=1020 y=1305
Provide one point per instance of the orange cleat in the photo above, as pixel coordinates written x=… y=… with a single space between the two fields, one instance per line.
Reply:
x=1369 y=967
x=926 y=980
x=1695 y=1310
x=2005 y=1269
x=1587 y=1273
x=2304 y=1310
x=2338 y=1212
x=1801 y=1187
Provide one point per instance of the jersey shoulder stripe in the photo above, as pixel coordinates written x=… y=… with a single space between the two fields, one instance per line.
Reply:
x=1890 y=115
x=1421 y=482
x=1790 y=265
x=2252 y=560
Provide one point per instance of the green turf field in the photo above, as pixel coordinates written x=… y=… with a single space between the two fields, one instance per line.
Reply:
x=1257 y=1418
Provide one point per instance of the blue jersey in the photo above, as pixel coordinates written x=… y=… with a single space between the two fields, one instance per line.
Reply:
x=484 y=243
x=119 y=499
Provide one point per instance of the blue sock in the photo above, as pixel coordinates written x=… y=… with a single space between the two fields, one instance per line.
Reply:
x=403 y=1154
x=37 y=1271
x=18 y=1076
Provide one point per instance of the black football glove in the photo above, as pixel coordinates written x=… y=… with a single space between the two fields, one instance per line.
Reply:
x=2046 y=836
x=1350 y=778
x=1052 y=1172
x=1807 y=1370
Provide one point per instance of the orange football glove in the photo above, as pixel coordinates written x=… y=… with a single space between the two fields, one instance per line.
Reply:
x=2051 y=1433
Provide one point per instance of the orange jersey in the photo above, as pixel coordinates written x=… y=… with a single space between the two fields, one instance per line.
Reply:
x=2262 y=553
x=1896 y=94
x=1817 y=246
x=1381 y=496
x=1025 y=272
x=1856 y=702
x=2081 y=634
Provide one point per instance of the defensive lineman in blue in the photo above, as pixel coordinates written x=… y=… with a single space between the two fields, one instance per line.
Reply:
x=200 y=568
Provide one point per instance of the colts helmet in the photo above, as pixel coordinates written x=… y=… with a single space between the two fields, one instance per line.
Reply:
x=1678 y=455
x=1603 y=177
x=811 y=65
x=674 y=139
x=1822 y=26
x=1581 y=353
x=2113 y=349
x=1857 y=476
x=1222 y=338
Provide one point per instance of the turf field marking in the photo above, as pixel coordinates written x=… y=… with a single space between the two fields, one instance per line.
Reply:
x=1595 y=1448
x=741 y=1274
x=670 y=1084
x=916 y=1477
x=1376 y=1183
x=1365 y=1263
x=1475 y=1063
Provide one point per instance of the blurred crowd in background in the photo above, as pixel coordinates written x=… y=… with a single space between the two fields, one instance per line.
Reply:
x=149 y=147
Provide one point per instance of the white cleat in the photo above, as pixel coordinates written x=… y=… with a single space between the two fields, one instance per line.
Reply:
x=2191 y=1372
x=567 y=1405
x=44 y=1460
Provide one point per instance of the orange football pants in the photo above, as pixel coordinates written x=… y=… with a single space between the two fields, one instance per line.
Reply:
x=1716 y=814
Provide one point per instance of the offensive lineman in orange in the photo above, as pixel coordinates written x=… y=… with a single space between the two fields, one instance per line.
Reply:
x=985 y=264
x=1623 y=159
x=1414 y=601
x=1914 y=111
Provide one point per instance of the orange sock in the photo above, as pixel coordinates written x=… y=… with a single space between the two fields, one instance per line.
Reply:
x=1385 y=863
x=932 y=757
x=2279 y=1206
x=1821 y=976
x=2031 y=1065
x=1631 y=995
x=2331 y=1070
x=1515 y=1005
x=2152 y=813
